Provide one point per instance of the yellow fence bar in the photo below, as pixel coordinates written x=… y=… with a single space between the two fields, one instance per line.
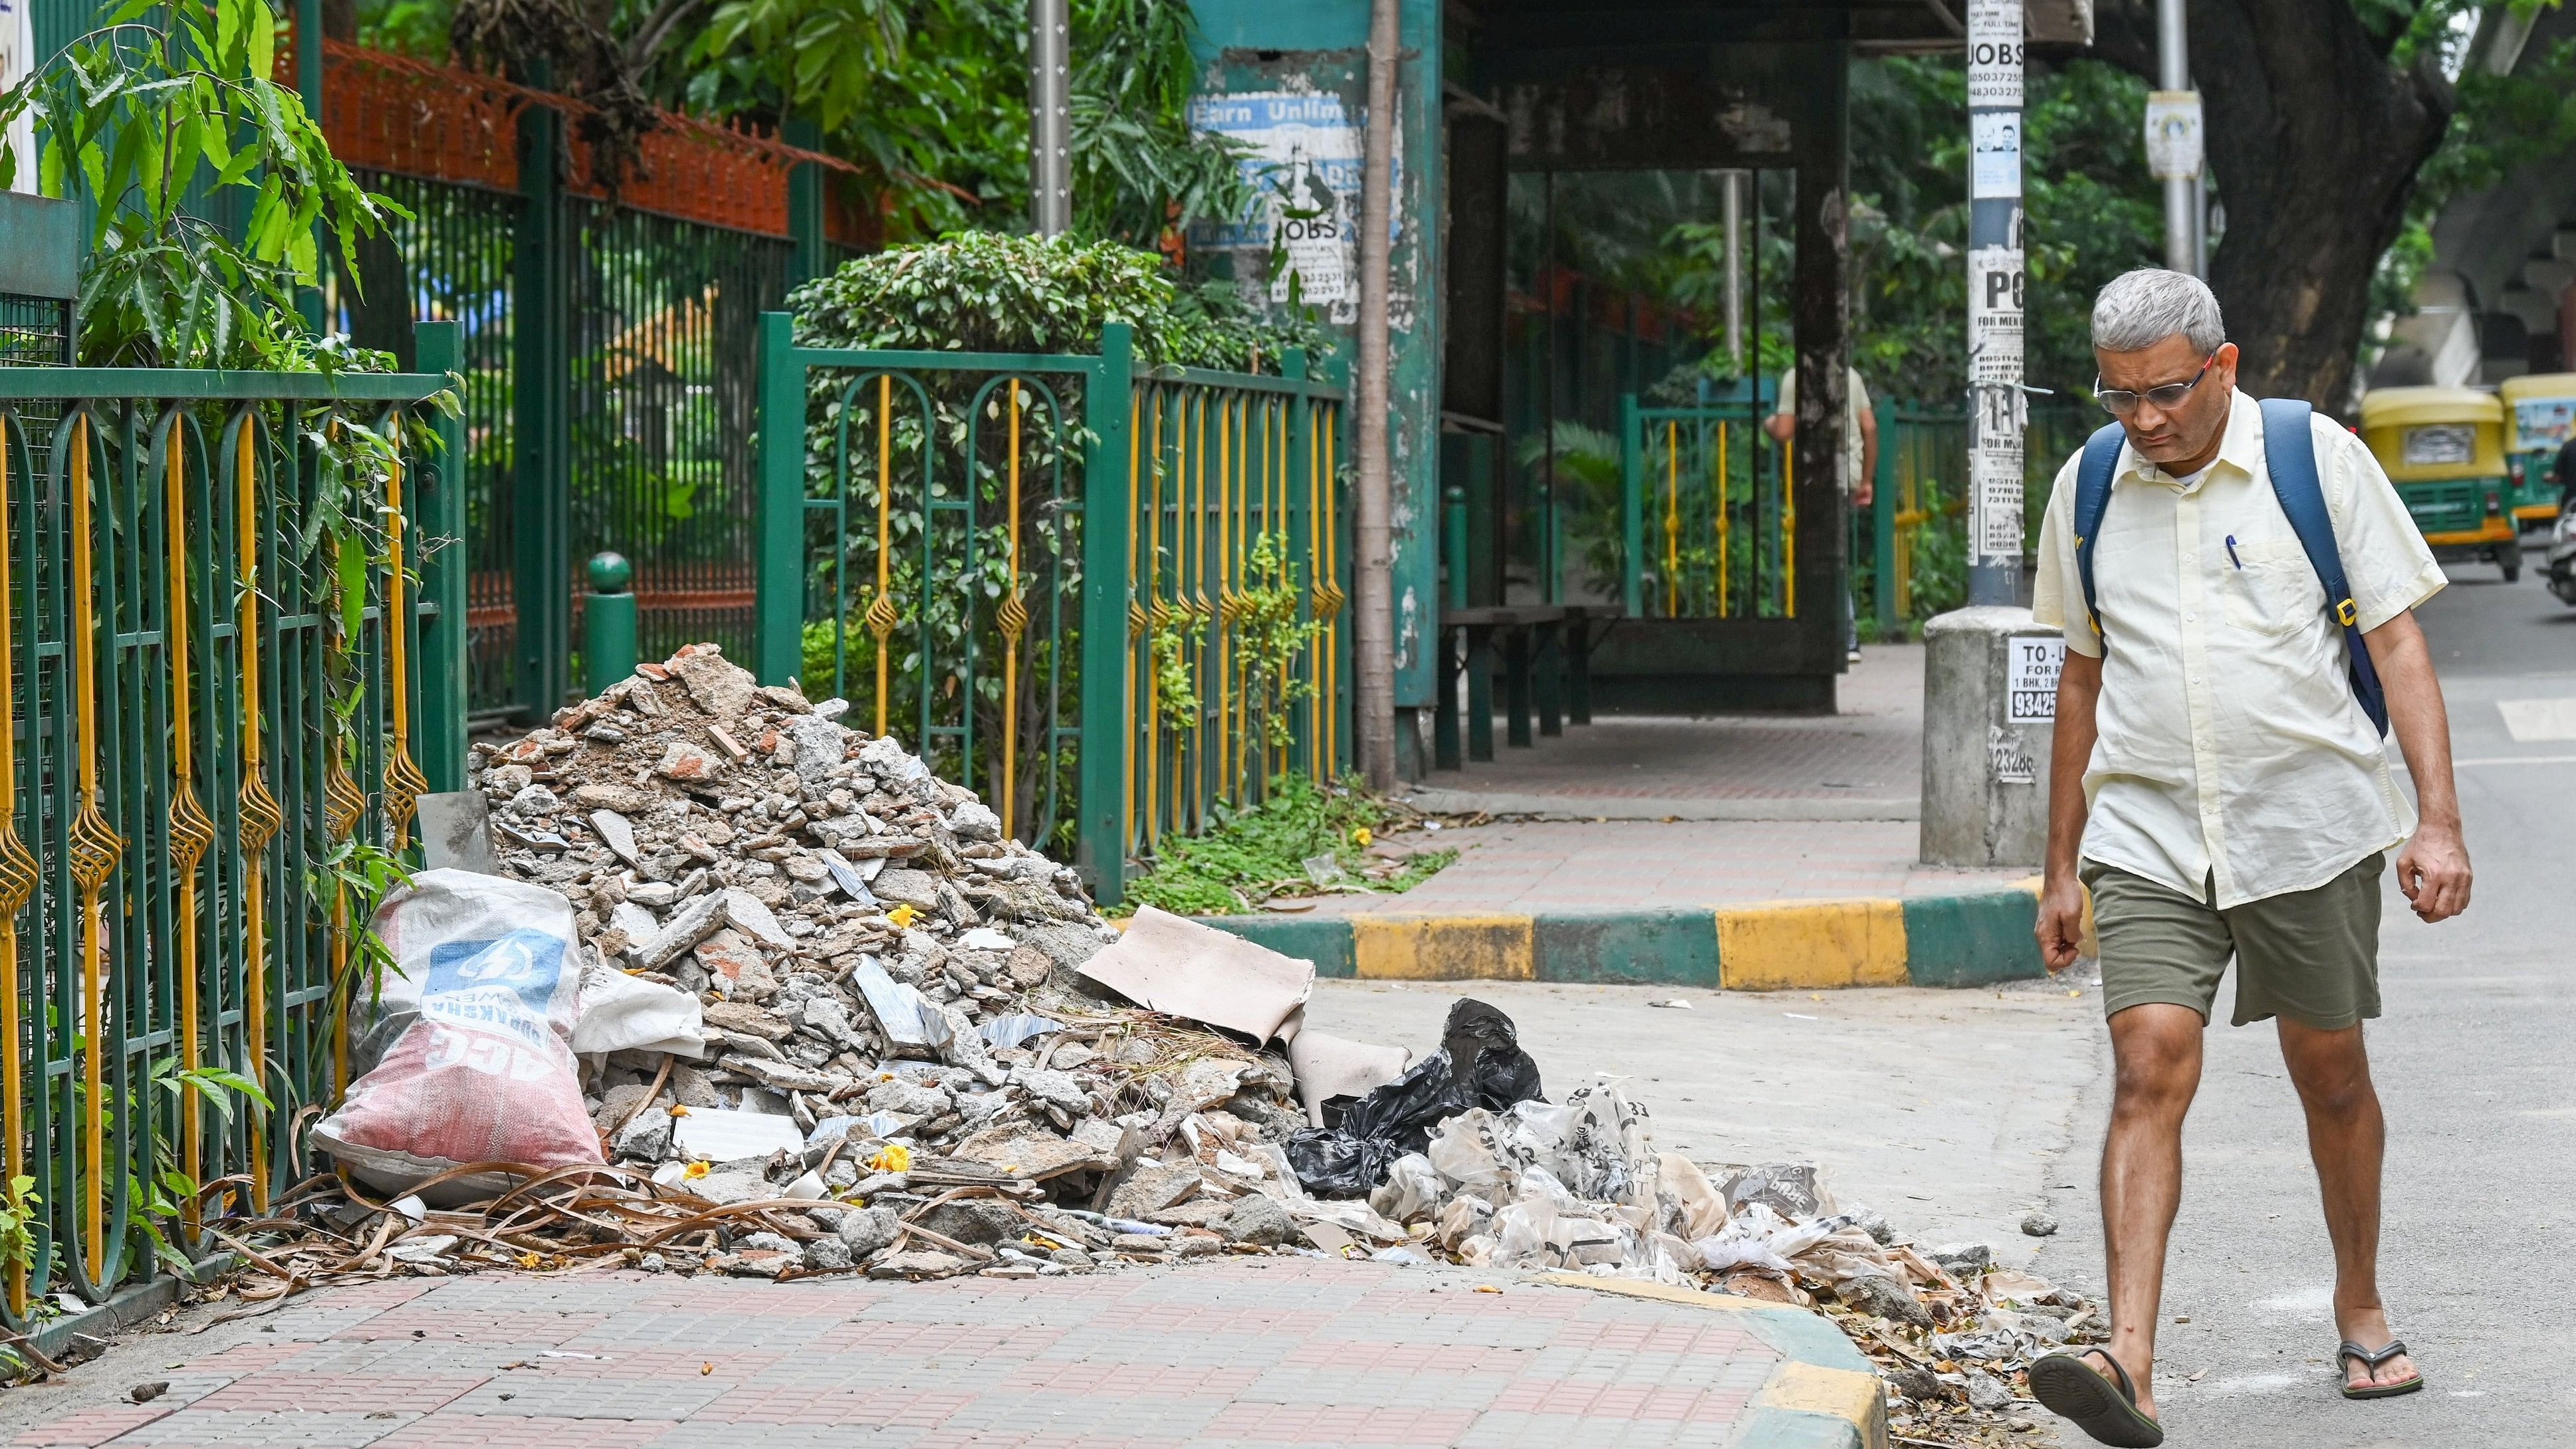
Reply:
x=17 y=887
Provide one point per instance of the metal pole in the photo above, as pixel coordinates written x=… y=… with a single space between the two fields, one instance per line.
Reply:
x=607 y=624
x=1734 y=203
x=2182 y=193
x=1995 y=274
x=1373 y=584
x=1050 y=126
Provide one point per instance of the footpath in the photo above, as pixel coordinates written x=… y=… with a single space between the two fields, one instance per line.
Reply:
x=1746 y=852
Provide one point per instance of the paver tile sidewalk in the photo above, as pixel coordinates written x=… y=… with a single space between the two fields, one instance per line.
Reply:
x=1864 y=762
x=1619 y=865
x=1272 y=1351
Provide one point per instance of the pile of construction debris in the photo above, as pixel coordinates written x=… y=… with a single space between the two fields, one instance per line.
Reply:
x=830 y=1018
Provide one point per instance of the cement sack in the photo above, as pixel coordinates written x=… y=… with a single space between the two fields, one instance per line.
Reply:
x=471 y=1042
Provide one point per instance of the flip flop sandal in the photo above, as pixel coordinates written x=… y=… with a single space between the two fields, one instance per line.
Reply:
x=2068 y=1387
x=2348 y=1350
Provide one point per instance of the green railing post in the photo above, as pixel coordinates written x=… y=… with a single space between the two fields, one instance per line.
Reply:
x=440 y=514
x=778 y=608
x=607 y=623
x=1632 y=506
x=1882 y=512
x=1100 y=836
x=1301 y=532
x=805 y=182
x=1453 y=543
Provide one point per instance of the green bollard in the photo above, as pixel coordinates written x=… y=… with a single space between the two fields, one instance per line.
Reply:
x=607 y=624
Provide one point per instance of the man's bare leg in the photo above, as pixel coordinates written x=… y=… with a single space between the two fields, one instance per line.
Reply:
x=2155 y=1054
x=2346 y=1137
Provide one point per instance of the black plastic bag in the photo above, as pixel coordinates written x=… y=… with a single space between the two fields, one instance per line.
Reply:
x=1479 y=1064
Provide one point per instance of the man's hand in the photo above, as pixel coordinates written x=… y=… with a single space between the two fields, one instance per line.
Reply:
x=2433 y=871
x=2061 y=923
x=1862 y=493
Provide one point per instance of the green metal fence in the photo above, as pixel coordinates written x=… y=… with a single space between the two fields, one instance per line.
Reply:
x=1708 y=515
x=207 y=709
x=1920 y=513
x=1106 y=596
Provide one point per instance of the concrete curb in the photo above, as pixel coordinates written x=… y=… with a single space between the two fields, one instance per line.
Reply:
x=1962 y=940
x=1824 y=1394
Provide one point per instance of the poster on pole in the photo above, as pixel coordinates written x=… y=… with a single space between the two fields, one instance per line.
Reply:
x=1304 y=159
x=1994 y=54
x=1995 y=288
x=1995 y=474
x=2174 y=135
x=1994 y=155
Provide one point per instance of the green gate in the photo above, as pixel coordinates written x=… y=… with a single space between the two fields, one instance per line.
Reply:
x=1107 y=596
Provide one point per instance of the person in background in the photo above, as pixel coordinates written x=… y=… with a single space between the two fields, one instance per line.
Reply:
x=2566 y=472
x=1860 y=463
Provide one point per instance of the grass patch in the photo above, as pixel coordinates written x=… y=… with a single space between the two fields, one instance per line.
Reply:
x=1258 y=853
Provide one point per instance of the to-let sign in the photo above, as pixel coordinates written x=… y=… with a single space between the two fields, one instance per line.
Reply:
x=2030 y=678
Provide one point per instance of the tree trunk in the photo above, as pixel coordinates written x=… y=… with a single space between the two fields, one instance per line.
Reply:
x=2314 y=137
x=1373 y=554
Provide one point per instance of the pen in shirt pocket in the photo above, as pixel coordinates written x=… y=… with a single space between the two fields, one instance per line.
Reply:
x=2231 y=554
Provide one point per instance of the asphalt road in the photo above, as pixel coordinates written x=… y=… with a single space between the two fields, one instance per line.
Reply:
x=2473 y=1064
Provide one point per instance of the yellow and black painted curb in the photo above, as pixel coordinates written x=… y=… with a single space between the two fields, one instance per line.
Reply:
x=1962 y=940
x=1823 y=1394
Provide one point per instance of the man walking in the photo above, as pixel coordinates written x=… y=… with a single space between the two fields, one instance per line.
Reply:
x=2219 y=786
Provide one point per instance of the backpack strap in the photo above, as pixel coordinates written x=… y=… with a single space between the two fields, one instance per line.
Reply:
x=2290 y=456
x=2092 y=495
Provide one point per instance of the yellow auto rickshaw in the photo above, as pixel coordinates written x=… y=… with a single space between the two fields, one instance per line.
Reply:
x=2444 y=449
x=2540 y=416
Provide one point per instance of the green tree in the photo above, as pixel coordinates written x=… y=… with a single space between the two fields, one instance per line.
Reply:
x=161 y=116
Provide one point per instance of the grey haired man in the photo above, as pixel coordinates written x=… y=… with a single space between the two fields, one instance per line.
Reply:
x=2223 y=795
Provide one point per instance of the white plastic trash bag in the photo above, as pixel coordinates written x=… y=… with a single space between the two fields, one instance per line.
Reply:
x=470 y=1050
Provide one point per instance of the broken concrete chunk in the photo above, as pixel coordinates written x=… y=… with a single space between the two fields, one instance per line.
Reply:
x=914 y=888
x=745 y=913
x=617 y=834
x=697 y=921
x=689 y=765
x=720 y=687
x=974 y=821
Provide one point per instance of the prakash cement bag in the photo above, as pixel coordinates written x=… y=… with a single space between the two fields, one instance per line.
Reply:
x=468 y=1057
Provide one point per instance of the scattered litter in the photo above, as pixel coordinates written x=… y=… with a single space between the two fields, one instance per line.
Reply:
x=1677 y=1004
x=1797 y=1016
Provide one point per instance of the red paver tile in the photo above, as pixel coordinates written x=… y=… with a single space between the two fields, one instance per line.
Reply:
x=94 y=1426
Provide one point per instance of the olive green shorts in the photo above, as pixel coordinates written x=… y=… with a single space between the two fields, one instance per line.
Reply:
x=2311 y=956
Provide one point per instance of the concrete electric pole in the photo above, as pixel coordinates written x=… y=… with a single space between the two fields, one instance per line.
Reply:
x=2174 y=141
x=1050 y=123
x=1373 y=557
x=1995 y=411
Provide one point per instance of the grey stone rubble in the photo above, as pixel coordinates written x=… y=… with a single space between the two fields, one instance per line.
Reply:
x=905 y=1065
x=892 y=1010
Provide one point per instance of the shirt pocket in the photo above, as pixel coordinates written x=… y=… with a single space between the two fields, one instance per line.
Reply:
x=2269 y=587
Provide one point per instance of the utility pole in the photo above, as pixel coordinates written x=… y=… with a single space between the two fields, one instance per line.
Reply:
x=1995 y=274
x=1373 y=556
x=2174 y=140
x=1050 y=121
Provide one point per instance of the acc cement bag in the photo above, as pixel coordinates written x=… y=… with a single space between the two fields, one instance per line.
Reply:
x=469 y=1055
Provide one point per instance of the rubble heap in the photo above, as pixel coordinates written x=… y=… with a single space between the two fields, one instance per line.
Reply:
x=878 y=966
x=900 y=1068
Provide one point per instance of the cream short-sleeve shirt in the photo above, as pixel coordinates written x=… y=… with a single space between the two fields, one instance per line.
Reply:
x=2229 y=743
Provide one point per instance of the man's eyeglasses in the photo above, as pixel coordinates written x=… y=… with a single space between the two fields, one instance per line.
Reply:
x=2123 y=402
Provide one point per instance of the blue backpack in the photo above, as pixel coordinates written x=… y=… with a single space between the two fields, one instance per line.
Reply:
x=2290 y=456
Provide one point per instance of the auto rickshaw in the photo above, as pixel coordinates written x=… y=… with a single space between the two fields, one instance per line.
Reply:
x=2444 y=449
x=2540 y=416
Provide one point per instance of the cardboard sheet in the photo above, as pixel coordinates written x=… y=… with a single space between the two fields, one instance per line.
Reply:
x=1171 y=964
